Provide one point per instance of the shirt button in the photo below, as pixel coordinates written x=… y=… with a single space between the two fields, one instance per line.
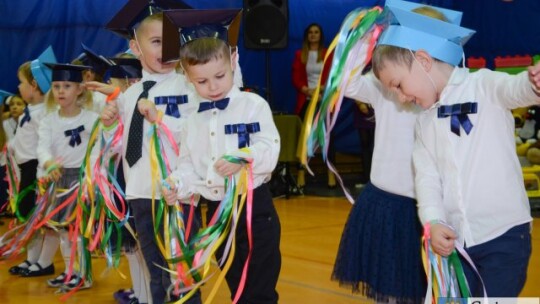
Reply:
x=276 y=141
x=209 y=182
x=215 y=113
x=215 y=191
x=213 y=158
x=212 y=133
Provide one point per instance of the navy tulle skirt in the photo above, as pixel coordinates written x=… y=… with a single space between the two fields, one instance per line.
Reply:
x=380 y=250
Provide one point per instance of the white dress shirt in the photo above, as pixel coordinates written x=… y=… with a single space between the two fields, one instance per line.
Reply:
x=54 y=144
x=204 y=142
x=474 y=182
x=138 y=178
x=391 y=168
x=26 y=138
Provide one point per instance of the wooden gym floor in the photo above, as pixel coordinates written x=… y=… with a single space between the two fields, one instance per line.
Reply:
x=311 y=229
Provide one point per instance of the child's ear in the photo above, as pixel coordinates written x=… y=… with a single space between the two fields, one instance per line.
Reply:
x=34 y=84
x=134 y=47
x=234 y=56
x=424 y=59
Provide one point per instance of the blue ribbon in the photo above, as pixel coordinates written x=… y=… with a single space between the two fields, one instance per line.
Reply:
x=172 y=103
x=243 y=131
x=218 y=104
x=458 y=113
x=75 y=138
x=26 y=118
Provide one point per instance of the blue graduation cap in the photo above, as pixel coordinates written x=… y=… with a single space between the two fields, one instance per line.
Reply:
x=42 y=74
x=182 y=26
x=134 y=12
x=442 y=40
x=125 y=68
x=4 y=95
x=67 y=72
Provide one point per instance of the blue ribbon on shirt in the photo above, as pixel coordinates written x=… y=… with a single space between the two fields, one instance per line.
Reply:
x=218 y=104
x=26 y=118
x=458 y=113
x=243 y=131
x=172 y=103
x=75 y=138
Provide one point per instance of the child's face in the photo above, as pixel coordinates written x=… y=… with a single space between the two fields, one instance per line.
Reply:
x=147 y=47
x=123 y=84
x=411 y=84
x=16 y=107
x=66 y=92
x=212 y=80
x=26 y=88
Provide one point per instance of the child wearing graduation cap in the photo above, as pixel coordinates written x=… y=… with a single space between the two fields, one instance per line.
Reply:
x=163 y=90
x=35 y=81
x=122 y=72
x=63 y=138
x=206 y=38
x=468 y=179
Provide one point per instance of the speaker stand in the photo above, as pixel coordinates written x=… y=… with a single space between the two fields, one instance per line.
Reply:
x=268 y=80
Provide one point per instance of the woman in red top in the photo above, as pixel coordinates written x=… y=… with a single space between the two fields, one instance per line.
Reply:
x=307 y=67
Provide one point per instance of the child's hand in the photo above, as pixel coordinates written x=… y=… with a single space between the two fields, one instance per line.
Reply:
x=101 y=87
x=54 y=170
x=534 y=77
x=148 y=110
x=168 y=191
x=109 y=114
x=225 y=168
x=442 y=239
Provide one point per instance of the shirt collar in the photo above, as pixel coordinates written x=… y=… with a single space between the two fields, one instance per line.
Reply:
x=156 y=77
x=458 y=76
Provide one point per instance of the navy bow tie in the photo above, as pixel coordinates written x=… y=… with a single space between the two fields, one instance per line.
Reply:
x=243 y=131
x=75 y=138
x=218 y=104
x=458 y=113
x=172 y=103
x=26 y=118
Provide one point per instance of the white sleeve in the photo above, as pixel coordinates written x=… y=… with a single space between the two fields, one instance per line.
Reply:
x=427 y=181
x=45 y=135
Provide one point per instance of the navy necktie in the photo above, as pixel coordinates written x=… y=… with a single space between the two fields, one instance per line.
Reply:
x=26 y=118
x=135 y=135
x=74 y=135
x=218 y=104
x=172 y=103
x=458 y=113
x=243 y=131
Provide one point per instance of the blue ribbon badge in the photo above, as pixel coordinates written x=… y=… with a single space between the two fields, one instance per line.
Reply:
x=75 y=138
x=458 y=113
x=243 y=131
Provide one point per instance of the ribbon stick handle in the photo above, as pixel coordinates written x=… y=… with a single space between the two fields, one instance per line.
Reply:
x=113 y=95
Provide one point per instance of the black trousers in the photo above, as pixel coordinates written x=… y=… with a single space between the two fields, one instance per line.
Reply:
x=28 y=176
x=265 y=263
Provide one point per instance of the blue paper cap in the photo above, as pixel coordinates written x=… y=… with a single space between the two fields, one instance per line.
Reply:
x=182 y=26
x=442 y=40
x=42 y=74
x=97 y=62
x=134 y=12
x=4 y=95
x=125 y=68
x=67 y=72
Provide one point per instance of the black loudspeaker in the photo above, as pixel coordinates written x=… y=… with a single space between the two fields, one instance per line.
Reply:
x=266 y=24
